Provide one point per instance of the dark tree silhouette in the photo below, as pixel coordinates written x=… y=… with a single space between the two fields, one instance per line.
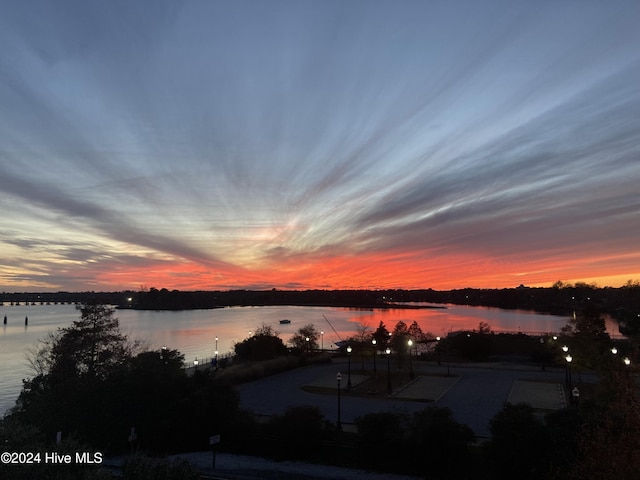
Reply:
x=306 y=338
x=264 y=344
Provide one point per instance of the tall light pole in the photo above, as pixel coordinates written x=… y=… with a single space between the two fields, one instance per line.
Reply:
x=374 y=341
x=321 y=341
x=446 y=352
x=409 y=343
x=216 y=353
x=388 y=352
x=565 y=349
x=163 y=354
x=568 y=358
x=338 y=378
x=627 y=362
x=349 y=349
x=308 y=345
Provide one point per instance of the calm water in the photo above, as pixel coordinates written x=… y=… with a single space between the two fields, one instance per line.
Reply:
x=193 y=332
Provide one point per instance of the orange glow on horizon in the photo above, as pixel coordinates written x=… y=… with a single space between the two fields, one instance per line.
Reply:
x=367 y=271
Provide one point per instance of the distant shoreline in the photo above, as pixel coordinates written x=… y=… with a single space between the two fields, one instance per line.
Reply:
x=560 y=299
x=383 y=306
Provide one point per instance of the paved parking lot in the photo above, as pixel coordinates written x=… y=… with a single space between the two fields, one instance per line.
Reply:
x=474 y=392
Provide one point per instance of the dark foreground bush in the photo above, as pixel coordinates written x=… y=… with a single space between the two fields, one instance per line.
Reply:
x=299 y=432
x=525 y=446
x=429 y=442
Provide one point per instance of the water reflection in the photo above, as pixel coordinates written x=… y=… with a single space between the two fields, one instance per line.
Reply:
x=458 y=317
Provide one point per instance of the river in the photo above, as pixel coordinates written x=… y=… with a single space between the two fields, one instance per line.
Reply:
x=194 y=332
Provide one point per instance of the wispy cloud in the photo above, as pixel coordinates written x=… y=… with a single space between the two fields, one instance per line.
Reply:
x=368 y=144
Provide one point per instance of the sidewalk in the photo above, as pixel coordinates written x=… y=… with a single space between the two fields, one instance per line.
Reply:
x=243 y=467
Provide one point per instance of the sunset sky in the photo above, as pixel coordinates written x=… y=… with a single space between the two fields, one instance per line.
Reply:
x=318 y=144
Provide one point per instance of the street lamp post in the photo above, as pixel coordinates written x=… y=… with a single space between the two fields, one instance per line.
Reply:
x=195 y=363
x=338 y=378
x=163 y=354
x=374 y=354
x=321 y=341
x=308 y=345
x=627 y=362
x=568 y=358
x=216 y=352
x=388 y=352
x=447 y=354
x=409 y=343
x=349 y=349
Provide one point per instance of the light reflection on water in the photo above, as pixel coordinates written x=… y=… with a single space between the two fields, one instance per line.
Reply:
x=193 y=332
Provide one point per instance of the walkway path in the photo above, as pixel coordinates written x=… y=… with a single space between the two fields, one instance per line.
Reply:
x=243 y=467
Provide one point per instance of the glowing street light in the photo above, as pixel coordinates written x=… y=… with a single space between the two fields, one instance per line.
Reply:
x=568 y=358
x=322 y=341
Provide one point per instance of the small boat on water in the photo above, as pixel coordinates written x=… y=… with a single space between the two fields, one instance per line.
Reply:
x=285 y=322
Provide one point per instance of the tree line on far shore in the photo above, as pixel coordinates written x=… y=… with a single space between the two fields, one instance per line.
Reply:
x=562 y=298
